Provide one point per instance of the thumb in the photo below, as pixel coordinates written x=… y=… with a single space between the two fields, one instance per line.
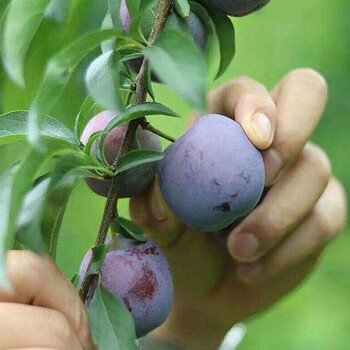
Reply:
x=150 y=211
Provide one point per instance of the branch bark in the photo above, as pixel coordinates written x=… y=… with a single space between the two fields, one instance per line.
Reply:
x=111 y=209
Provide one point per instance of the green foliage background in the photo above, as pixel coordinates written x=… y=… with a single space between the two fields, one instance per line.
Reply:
x=286 y=35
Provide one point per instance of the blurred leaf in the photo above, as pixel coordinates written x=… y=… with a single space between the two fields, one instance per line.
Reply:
x=179 y=63
x=84 y=112
x=133 y=7
x=103 y=81
x=182 y=7
x=58 y=73
x=108 y=24
x=128 y=229
x=58 y=10
x=226 y=35
x=136 y=158
x=29 y=225
x=149 y=83
x=21 y=23
x=139 y=111
x=14 y=127
x=99 y=254
x=114 y=10
x=112 y=325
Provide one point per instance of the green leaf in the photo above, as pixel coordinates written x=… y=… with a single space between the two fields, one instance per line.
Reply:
x=114 y=10
x=182 y=7
x=111 y=323
x=139 y=111
x=29 y=225
x=179 y=63
x=226 y=35
x=128 y=229
x=21 y=24
x=134 y=7
x=58 y=10
x=136 y=158
x=103 y=81
x=14 y=127
x=84 y=112
x=99 y=254
x=58 y=73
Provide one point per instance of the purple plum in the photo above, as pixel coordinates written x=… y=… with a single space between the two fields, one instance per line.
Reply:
x=133 y=181
x=237 y=8
x=212 y=175
x=139 y=275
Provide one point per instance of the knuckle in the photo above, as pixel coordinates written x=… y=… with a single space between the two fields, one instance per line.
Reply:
x=275 y=225
x=60 y=327
x=312 y=78
x=324 y=226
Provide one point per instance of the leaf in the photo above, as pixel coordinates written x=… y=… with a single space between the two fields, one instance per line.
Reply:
x=179 y=63
x=14 y=127
x=21 y=23
x=99 y=254
x=58 y=10
x=114 y=10
x=112 y=325
x=58 y=73
x=29 y=225
x=136 y=158
x=182 y=7
x=85 y=110
x=128 y=229
x=226 y=35
x=139 y=111
x=103 y=81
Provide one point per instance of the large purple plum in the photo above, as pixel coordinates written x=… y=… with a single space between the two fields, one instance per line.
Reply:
x=212 y=175
x=139 y=275
x=133 y=181
x=236 y=8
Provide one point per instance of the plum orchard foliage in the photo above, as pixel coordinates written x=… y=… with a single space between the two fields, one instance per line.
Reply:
x=33 y=198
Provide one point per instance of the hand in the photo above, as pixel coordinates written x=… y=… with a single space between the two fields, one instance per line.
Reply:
x=280 y=242
x=43 y=311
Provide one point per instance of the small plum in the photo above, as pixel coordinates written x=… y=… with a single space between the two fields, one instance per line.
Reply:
x=133 y=181
x=237 y=8
x=139 y=275
x=212 y=175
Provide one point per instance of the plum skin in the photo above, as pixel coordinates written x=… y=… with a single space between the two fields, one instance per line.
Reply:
x=237 y=8
x=212 y=175
x=133 y=181
x=139 y=276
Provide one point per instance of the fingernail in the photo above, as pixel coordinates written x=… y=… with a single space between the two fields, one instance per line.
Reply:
x=245 y=247
x=158 y=205
x=273 y=165
x=249 y=273
x=262 y=126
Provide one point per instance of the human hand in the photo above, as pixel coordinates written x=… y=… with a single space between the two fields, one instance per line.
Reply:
x=280 y=242
x=43 y=311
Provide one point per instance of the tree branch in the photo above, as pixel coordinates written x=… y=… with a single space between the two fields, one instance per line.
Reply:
x=111 y=210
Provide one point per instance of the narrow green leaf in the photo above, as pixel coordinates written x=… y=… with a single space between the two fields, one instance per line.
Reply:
x=182 y=7
x=128 y=229
x=14 y=127
x=139 y=111
x=84 y=112
x=114 y=10
x=179 y=63
x=136 y=158
x=112 y=325
x=58 y=10
x=57 y=75
x=98 y=258
x=103 y=81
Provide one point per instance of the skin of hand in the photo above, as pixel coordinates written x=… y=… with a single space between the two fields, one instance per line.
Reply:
x=42 y=311
x=279 y=243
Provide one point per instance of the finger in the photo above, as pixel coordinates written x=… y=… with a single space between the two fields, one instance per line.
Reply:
x=325 y=221
x=31 y=326
x=285 y=205
x=251 y=105
x=301 y=98
x=39 y=282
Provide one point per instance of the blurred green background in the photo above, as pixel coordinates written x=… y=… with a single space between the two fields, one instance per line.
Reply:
x=284 y=36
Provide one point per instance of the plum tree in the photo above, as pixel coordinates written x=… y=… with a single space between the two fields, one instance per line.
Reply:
x=212 y=175
x=133 y=181
x=195 y=25
x=236 y=8
x=139 y=275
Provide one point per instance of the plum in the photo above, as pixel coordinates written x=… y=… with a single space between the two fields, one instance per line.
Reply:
x=139 y=275
x=238 y=8
x=195 y=25
x=212 y=175
x=133 y=181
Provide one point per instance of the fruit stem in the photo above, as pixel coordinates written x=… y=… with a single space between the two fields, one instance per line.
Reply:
x=111 y=208
x=147 y=126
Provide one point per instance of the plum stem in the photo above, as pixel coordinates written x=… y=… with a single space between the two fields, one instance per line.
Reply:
x=147 y=126
x=111 y=208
